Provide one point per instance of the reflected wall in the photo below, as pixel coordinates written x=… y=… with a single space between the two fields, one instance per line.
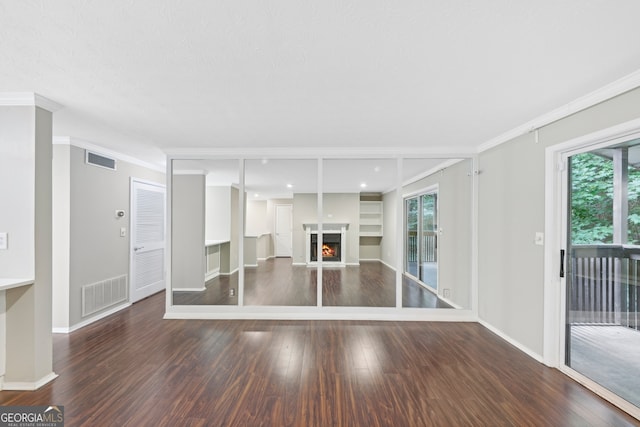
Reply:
x=246 y=232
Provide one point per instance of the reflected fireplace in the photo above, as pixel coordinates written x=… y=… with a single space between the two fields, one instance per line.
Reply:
x=334 y=244
x=331 y=247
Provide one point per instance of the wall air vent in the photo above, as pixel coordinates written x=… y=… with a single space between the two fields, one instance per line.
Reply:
x=99 y=160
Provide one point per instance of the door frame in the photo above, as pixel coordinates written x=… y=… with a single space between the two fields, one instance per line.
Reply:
x=556 y=211
x=132 y=182
x=275 y=229
x=431 y=189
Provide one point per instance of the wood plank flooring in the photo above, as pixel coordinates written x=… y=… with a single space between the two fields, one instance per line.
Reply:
x=135 y=369
x=278 y=282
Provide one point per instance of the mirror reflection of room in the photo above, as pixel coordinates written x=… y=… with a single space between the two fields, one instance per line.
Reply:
x=437 y=210
x=205 y=232
x=363 y=243
x=274 y=189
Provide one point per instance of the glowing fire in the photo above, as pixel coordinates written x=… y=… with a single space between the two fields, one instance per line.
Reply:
x=328 y=251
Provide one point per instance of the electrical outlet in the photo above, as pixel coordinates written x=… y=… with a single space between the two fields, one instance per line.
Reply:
x=4 y=240
x=123 y=231
x=539 y=238
x=446 y=293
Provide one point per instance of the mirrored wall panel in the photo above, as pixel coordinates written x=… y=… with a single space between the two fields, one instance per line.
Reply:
x=354 y=234
x=436 y=202
x=389 y=237
x=205 y=231
x=278 y=195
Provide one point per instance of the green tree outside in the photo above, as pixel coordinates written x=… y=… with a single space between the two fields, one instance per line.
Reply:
x=592 y=201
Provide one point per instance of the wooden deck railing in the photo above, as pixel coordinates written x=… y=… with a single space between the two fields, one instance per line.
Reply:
x=429 y=246
x=604 y=285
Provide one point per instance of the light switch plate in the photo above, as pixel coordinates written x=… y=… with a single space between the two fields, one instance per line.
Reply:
x=4 y=243
x=123 y=231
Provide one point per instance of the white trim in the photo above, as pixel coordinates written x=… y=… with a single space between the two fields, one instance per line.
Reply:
x=442 y=166
x=618 y=87
x=234 y=271
x=252 y=153
x=606 y=394
x=319 y=313
x=28 y=386
x=190 y=172
x=87 y=322
x=204 y=288
x=511 y=341
x=387 y=265
x=553 y=305
x=18 y=99
x=80 y=143
x=430 y=189
x=211 y=275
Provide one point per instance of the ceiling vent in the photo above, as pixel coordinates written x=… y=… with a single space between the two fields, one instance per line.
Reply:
x=100 y=160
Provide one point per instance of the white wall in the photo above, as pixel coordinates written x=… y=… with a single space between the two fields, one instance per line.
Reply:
x=26 y=214
x=87 y=241
x=256 y=213
x=218 y=213
x=187 y=239
x=388 y=245
x=17 y=175
x=337 y=208
x=511 y=210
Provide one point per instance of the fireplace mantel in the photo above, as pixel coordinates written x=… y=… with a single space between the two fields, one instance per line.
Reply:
x=327 y=228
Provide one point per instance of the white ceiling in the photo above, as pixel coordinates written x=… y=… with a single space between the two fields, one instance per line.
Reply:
x=141 y=76
x=280 y=178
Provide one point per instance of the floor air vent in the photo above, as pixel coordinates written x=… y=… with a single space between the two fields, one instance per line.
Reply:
x=100 y=295
x=100 y=160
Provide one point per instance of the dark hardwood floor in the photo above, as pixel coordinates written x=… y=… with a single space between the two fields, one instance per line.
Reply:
x=278 y=282
x=135 y=369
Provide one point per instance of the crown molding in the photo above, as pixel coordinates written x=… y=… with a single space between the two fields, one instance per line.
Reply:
x=80 y=143
x=325 y=152
x=15 y=99
x=618 y=87
x=190 y=172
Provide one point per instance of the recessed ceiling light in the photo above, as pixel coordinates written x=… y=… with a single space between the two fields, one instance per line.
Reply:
x=376 y=169
x=363 y=185
x=289 y=185
x=256 y=195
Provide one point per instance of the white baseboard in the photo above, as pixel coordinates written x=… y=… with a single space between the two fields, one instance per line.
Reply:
x=511 y=341
x=91 y=320
x=212 y=275
x=251 y=265
x=388 y=265
x=28 y=386
x=190 y=289
x=229 y=273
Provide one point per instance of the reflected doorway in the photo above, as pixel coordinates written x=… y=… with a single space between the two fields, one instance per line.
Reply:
x=421 y=239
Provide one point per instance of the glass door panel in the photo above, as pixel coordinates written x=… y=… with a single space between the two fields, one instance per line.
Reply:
x=602 y=331
x=411 y=241
x=429 y=241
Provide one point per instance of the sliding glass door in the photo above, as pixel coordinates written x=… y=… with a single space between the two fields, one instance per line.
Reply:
x=603 y=268
x=421 y=238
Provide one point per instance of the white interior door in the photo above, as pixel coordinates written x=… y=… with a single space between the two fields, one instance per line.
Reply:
x=284 y=234
x=147 y=239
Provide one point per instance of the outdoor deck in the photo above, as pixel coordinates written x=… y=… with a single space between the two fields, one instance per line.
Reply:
x=609 y=356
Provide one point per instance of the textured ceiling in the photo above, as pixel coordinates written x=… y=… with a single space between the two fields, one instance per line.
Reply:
x=141 y=76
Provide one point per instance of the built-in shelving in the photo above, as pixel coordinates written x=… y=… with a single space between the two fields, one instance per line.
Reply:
x=370 y=218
